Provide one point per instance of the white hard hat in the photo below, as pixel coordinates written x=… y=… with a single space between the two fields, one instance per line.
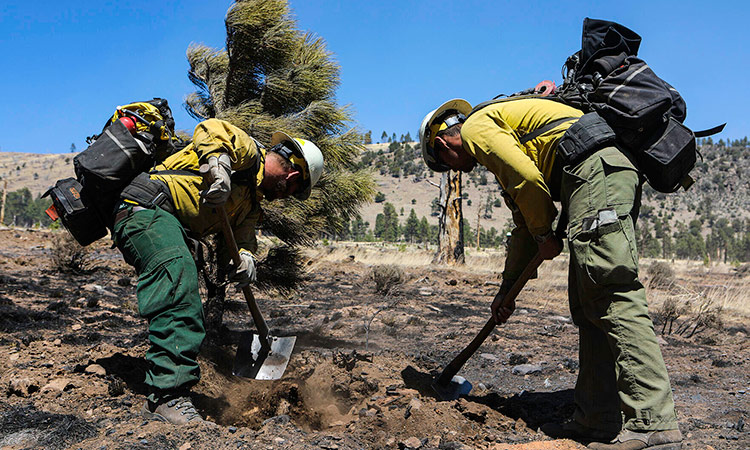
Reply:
x=313 y=161
x=430 y=128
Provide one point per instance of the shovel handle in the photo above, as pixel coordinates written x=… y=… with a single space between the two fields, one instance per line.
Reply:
x=252 y=305
x=234 y=253
x=454 y=366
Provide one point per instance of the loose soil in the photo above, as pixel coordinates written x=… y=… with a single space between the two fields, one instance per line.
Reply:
x=72 y=367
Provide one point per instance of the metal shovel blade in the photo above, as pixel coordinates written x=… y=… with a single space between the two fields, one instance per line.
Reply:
x=457 y=387
x=253 y=360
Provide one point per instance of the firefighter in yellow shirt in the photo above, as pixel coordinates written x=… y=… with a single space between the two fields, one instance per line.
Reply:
x=623 y=395
x=150 y=230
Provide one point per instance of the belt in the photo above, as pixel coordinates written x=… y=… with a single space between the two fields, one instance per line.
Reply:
x=125 y=212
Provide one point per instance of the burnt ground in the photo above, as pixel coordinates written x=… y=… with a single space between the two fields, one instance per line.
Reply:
x=72 y=346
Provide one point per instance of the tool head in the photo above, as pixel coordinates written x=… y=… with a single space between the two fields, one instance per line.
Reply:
x=263 y=362
x=454 y=389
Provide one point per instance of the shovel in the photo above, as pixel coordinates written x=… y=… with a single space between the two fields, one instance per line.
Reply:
x=264 y=357
x=449 y=386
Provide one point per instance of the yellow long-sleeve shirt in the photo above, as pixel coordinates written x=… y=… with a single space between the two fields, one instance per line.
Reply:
x=212 y=137
x=525 y=171
x=492 y=136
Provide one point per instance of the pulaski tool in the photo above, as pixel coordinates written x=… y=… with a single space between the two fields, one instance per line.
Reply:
x=449 y=386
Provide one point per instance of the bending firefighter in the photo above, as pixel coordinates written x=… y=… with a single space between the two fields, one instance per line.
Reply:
x=623 y=396
x=156 y=212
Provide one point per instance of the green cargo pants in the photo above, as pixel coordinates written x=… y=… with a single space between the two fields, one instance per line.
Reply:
x=153 y=241
x=622 y=380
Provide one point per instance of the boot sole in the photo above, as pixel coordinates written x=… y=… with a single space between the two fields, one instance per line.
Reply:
x=670 y=446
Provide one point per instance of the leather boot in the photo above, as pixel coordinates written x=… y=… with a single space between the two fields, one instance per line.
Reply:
x=639 y=440
x=570 y=429
x=178 y=411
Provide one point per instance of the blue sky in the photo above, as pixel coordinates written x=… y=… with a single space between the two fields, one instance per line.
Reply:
x=66 y=67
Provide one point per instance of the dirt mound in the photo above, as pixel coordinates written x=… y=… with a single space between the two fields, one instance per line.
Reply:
x=381 y=399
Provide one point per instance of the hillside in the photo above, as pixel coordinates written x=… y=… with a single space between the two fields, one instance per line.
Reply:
x=720 y=190
x=37 y=172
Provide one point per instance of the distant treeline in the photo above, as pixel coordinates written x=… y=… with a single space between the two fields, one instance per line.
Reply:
x=23 y=210
x=718 y=240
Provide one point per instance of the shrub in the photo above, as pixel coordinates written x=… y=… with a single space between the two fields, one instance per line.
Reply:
x=661 y=273
x=68 y=256
x=387 y=277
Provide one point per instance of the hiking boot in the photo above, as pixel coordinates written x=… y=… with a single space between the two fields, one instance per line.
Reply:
x=570 y=429
x=178 y=411
x=638 y=440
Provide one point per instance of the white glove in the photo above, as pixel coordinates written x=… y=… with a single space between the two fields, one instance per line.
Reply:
x=243 y=274
x=220 y=169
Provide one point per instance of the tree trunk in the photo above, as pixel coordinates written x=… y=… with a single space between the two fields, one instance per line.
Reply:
x=479 y=212
x=450 y=224
x=5 y=196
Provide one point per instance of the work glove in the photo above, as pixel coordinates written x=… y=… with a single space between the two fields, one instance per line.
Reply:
x=243 y=274
x=502 y=313
x=220 y=170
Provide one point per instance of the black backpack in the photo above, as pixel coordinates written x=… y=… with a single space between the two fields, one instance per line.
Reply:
x=133 y=140
x=644 y=112
x=625 y=103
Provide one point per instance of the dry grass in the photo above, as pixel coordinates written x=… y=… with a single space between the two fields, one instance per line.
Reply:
x=717 y=287
x=68 y=256
x=404 y=255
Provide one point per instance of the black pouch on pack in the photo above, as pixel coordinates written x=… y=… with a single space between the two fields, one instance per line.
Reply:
x=667 y=161
x=589 y=134
x=83 y=222
x=633 y=100
x=111 y=162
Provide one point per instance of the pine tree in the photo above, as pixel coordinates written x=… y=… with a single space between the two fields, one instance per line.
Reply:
x=273 y=77
x=391 y=230
x=411 y=228
x=270 y=77
x=424 y=230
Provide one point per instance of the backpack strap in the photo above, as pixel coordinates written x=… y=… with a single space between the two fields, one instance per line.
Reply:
x=544 y=128
x=710 y=131
x=499 y=99
x=537 y=132
x=249 y=176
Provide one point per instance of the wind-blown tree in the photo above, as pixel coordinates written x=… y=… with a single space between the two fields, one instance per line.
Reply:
x=271 y=77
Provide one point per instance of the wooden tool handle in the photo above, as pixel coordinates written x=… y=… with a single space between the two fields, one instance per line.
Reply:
x=234 y=253
x=454 y=366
